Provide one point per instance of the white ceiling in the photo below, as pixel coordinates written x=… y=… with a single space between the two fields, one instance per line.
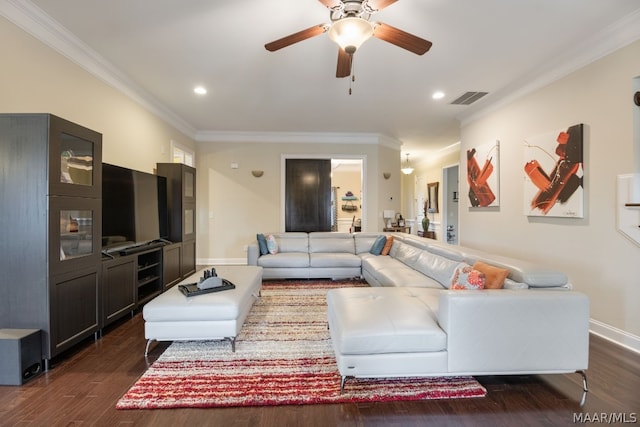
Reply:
x=161 y=49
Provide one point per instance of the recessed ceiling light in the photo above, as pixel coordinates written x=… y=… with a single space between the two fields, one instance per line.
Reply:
x=200 y=90
x=438 y=95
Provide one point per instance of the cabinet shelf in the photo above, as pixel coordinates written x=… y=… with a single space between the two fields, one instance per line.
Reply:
x=147 y=266
x=147 y=280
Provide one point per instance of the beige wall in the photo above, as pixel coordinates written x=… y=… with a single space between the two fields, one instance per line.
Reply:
x=597 y=258
x=414 y=187
x=36 y=79
x=233 y=205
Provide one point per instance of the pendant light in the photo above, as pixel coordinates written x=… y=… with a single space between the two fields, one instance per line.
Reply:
x=407 y=169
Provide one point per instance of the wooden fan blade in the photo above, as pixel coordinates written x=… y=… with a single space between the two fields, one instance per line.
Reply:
x=296 y=37
x=401 y=38
x=380 y=4
x=344 y=64
x=330 y=3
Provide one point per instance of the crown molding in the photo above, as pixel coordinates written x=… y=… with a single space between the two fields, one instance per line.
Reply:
x=602 y=43
x=36 y=22
x=298 y=138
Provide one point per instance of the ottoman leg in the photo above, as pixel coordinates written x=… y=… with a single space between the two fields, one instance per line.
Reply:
x=343 y=381
x=146 y=350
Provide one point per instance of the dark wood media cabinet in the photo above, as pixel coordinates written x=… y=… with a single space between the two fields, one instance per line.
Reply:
x=55 y=278
x=130 y=281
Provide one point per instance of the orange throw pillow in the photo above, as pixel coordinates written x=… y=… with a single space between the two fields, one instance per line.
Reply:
x=387 y=246
x=494 y=276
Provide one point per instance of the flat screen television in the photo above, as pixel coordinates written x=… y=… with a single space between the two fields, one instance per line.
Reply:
x=134 y=210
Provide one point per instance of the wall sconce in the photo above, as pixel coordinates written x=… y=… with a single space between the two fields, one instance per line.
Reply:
x=257 y=174
x=386 y=175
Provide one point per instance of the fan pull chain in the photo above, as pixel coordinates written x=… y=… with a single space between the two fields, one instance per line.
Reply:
x=353 y=76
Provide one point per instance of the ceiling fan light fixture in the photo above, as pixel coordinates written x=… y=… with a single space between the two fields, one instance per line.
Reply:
x=349 y=33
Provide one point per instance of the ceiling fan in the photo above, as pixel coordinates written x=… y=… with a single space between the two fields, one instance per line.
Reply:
x=350 y=27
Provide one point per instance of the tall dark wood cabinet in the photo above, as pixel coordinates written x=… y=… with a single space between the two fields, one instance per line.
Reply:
x=171 y=265
x=181 y=201
x=50 y=216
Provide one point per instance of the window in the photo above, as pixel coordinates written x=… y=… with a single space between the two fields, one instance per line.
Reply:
x=181 y=154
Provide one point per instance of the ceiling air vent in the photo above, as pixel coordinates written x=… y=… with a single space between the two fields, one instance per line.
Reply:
x=468 y=98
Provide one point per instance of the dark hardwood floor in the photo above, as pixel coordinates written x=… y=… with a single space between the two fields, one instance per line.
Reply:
x=84 y=385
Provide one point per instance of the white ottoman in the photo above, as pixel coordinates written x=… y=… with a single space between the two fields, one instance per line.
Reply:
x=171 y=316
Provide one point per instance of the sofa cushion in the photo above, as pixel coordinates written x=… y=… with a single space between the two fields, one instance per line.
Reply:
x=374 y=263
x=436 y=267
x=272 y=244
x=406 y=254
x=533 y=275
x=378 y=245
x=387 y=246
x=449 y=253
x=284 y=259
x=494 y=276
x=403 y=276
x=391 y=272
x=408 y=324
x=262 y=244
x=325 y=260
x=292 y=242
x=364 y=241
x=331 y=242
x=466 y=277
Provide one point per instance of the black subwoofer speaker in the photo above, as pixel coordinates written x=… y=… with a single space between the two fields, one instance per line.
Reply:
x=20 y=355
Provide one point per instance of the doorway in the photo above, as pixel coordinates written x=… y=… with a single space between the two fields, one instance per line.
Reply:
x=346 y=182
x=308 y=195
x=450 y=197
x=347 y=193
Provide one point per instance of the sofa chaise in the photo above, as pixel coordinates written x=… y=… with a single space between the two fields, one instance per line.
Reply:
x=412 y=322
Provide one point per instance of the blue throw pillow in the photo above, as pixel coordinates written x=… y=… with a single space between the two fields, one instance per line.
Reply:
x=378 y=244
x=262 y=244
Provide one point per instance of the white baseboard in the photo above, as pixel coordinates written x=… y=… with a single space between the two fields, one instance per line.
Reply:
x=615 y=335
x=221 y=261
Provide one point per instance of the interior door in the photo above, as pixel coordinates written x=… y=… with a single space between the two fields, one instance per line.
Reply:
x=308 y=195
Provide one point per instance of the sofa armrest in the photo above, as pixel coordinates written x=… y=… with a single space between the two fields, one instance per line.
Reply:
x=253 y=253
x=515 y=331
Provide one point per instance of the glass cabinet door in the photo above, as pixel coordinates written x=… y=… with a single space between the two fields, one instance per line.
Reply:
x=75 y=161
x=189 y=223
x=76 y=233
x=74 y=226
x=189 y=189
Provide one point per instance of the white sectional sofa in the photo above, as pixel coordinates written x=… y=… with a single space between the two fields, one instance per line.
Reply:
x=309 y=256
x=409 y=323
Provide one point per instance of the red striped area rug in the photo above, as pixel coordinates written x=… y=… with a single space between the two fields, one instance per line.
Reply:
x=283 y=357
